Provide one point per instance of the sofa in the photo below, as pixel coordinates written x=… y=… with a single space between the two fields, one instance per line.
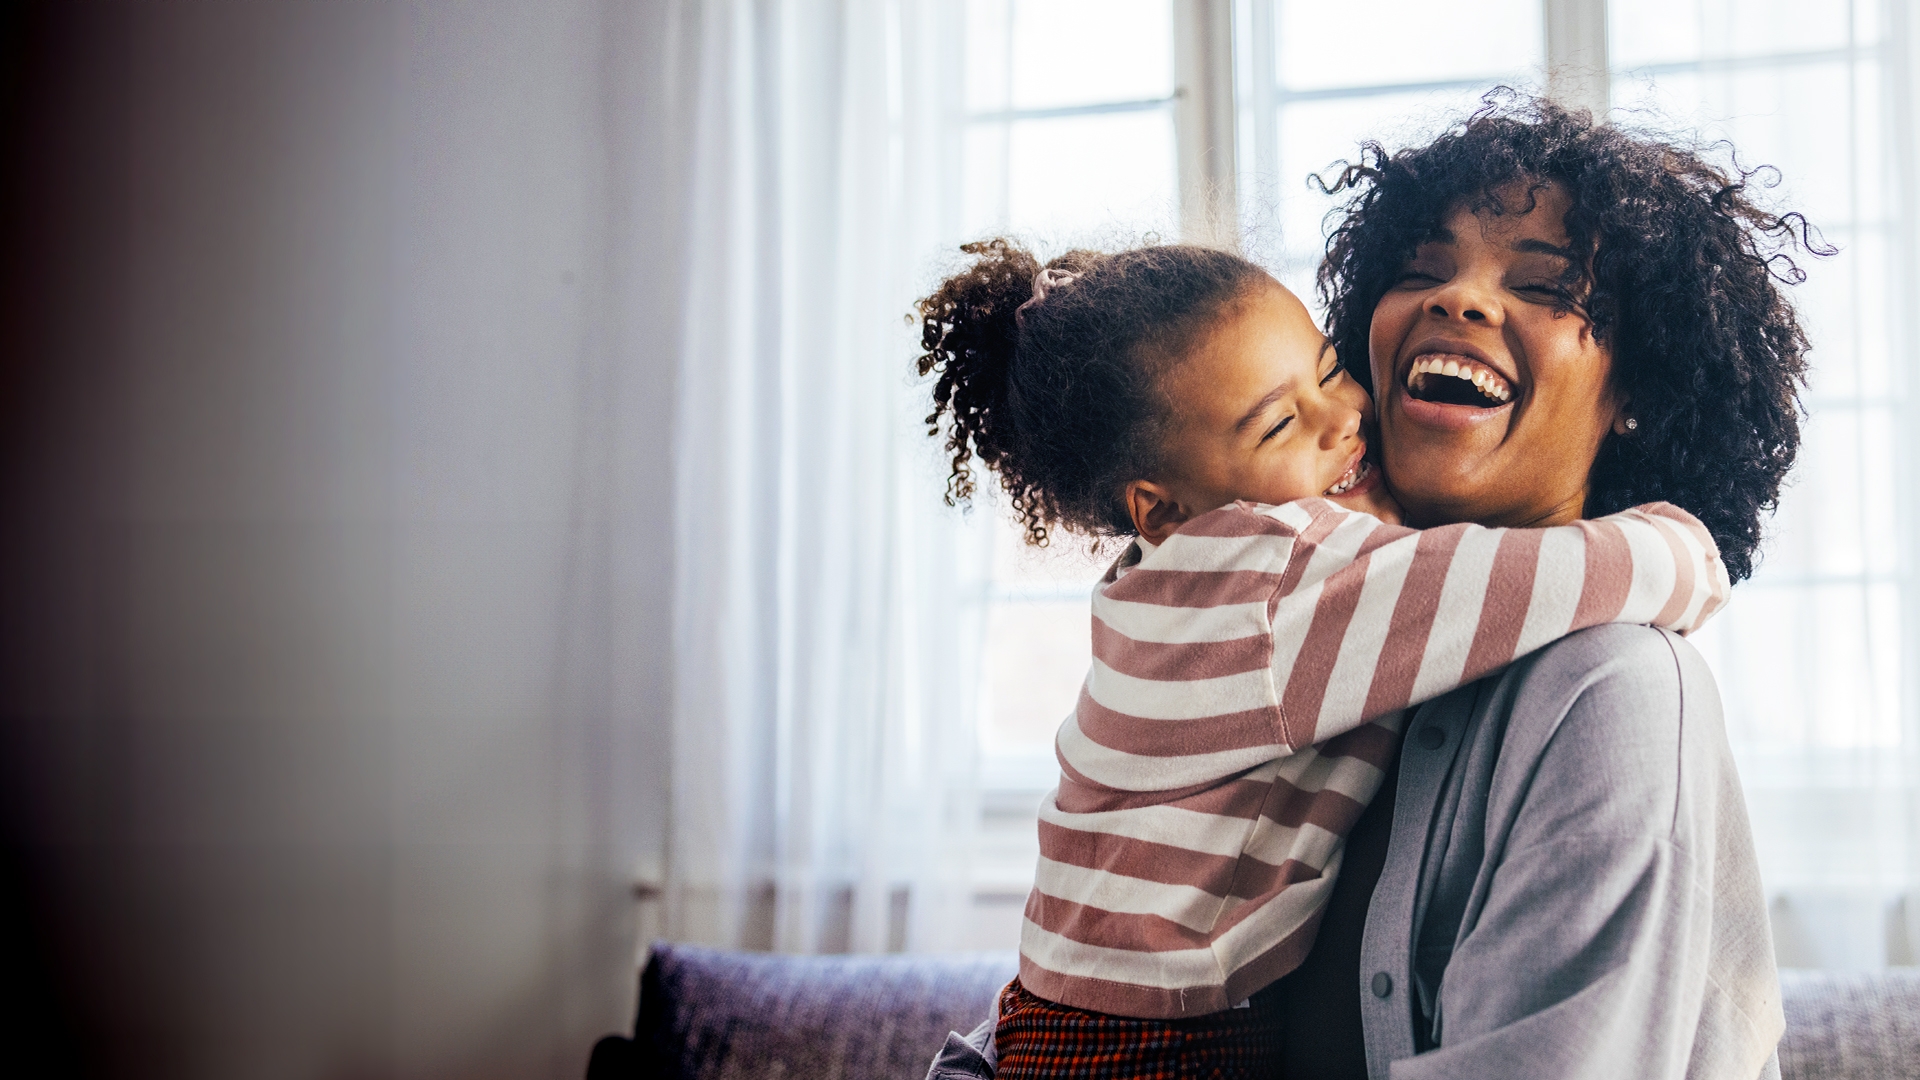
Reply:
x=712 y=1014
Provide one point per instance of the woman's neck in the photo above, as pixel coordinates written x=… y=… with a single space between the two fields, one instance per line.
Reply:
x=1426 y=515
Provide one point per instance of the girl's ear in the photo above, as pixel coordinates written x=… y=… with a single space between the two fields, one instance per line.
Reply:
x=1155 y=512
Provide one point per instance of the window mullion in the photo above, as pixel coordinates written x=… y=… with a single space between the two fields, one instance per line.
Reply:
x=1901 y=74
x=1203 y=120
x=1577 y=69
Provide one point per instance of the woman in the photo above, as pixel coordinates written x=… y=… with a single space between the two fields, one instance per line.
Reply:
x=1535 y=915
x=1558 y=880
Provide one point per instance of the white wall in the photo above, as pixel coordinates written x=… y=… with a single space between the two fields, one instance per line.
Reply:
x=336 y=640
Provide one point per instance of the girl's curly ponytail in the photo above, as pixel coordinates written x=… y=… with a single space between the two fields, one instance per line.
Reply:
x=1061 y=401
x=970 y=331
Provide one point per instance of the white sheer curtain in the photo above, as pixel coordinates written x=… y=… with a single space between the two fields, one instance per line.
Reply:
x=824 y=735
x=1817 y=655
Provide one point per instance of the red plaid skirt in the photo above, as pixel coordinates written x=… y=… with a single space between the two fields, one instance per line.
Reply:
x=1039 y=1040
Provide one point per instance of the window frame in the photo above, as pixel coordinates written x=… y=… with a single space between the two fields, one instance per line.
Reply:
x=1223 y=121
x=1226 y=108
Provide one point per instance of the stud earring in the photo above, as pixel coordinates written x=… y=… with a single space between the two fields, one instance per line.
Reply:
x=1632 y=423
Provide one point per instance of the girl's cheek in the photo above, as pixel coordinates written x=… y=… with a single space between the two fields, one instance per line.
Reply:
x=1355 y=397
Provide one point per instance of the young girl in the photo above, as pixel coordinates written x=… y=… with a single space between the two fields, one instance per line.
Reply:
x=1252 y=647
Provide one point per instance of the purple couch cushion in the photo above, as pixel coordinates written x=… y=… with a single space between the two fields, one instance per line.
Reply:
x=711 y=1013
x=1851 y=1026
x=707 y=1014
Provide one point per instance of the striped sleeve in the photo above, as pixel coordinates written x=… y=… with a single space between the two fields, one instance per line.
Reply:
x=1245 y=702
x=1406 y=615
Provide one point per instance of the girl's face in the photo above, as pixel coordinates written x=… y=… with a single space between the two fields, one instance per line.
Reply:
x=1494 y=399
x=1262 y=412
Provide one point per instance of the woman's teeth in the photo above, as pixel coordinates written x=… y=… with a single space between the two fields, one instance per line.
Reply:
x=1354 y=475
x=1430 y=367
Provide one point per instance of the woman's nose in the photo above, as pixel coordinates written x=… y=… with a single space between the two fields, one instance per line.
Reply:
x=1465 y=299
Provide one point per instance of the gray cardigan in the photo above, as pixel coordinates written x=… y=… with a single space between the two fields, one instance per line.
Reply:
x=1570 y=889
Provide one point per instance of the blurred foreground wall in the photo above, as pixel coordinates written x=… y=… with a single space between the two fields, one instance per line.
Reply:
x=334 y=418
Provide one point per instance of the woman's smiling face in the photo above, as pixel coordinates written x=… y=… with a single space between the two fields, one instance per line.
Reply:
x=1493 y=396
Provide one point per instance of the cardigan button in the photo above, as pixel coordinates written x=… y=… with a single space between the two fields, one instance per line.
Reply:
x=1382 y=984
x=1431 y=737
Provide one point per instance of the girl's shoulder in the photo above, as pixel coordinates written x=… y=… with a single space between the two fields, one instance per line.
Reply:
x=1239 y=550
x=1290 y=519
x=1253 y=542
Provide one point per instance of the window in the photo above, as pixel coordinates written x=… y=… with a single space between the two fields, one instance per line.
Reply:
x=1308 y=98
x=1070 y=127
x=1815 y=656
x=1102 y=122
x=1072 y=137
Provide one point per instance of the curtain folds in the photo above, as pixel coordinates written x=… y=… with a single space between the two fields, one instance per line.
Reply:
x=1817 y=654
x=823 y=733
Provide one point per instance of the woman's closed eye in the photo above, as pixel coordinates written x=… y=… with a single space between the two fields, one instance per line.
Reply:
x=1552 y=294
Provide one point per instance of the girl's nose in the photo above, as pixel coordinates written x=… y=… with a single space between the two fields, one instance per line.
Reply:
x=1339 y=423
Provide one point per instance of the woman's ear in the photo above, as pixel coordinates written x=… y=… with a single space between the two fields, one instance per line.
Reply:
x=1155 y=512
x=1623 y=421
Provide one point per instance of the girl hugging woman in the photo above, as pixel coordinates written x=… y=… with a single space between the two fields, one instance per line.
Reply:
x=1258 y=644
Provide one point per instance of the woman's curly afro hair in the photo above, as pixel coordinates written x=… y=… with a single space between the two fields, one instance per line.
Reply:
x=1682 y=281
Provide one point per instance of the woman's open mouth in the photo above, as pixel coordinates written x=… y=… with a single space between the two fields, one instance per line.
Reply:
x=1356 y=475
x=1452 y=379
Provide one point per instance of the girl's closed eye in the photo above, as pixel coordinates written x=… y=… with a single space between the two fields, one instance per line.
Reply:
x=1277 y=428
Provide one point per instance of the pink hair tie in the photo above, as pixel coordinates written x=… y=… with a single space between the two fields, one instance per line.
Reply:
x=1048 y=280
x=1044 y=282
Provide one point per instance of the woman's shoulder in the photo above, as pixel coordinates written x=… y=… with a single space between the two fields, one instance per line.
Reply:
x=1620 y=723
x=1618 y=665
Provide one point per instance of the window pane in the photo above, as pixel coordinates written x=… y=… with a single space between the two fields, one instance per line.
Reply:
x=1838 y=515
x=1373 y=42
x=1313 y=136
x=1102 y=176
x=1847 y=306
x=1642 y=32
x=1818 y=123
x=1042 y=54
x=1038 y=637
x=1037 y=658
x=1809 y=654
x=1105 y=179
x=1818 y=667
x=1318 y=53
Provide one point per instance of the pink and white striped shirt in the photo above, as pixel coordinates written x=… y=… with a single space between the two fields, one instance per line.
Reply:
x=1246 y=694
